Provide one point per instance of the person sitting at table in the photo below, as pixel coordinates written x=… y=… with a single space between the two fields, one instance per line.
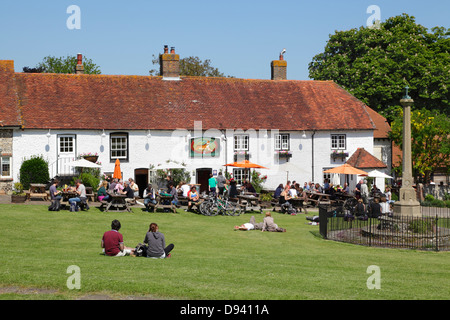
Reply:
x=184 y=188
x=360 y=208
x=193 y=197
x=112 y=242
x=134 y=187
x=318 y=188
x=113 y=184
x=375 y=208
x=326 y=186
x=149 y=197
x=278 y=191
x=345 y=188
x=174 y=194
x=284 y=199
x=119 y=187
x=249 y=188
x=81 y=192
x=157 y=243
x=55 y=194
x=128 y=192
x=233 y=193
x=293 y=191
x=101 y=192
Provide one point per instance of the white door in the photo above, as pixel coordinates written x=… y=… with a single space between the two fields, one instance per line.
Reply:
x=66 y=153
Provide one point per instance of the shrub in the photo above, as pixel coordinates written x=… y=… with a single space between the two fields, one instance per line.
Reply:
x=34 y=170
x=18 y=189
x=421 y=226
x=429 y=198
x=89 y=180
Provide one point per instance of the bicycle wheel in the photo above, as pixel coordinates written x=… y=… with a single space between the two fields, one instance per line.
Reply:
x=214 y=209
x=233 y=209
x=205 y=207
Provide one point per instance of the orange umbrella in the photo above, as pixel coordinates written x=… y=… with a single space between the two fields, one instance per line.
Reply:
x=346 y=169
x=117 y=172
x=245 y=164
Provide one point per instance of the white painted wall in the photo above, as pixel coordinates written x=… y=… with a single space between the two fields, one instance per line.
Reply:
x=174 y=145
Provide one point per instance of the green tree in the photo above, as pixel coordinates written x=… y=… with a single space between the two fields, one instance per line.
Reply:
x=192 y=66
x=430 y=134
x=375 y=64
x=67 y=64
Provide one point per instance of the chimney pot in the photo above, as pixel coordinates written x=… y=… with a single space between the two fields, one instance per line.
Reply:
x=79 y=69
x=169 y=64
x=166 y=49
x=279 y=69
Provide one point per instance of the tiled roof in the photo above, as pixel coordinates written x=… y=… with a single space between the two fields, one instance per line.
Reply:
x=362 y=159
x=9 y=104
x=61 y=101
x=382 y=126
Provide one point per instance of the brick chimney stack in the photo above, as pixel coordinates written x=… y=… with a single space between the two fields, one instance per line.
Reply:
x=169 y=64
x=279 y=68
x=79 y=69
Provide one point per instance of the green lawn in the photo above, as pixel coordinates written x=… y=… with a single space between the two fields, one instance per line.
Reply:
x=210 y=260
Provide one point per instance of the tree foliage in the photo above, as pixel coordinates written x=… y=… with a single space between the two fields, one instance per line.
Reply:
x=67 y=64
x=430 y=145
x=192 y=66
x=34 y=170
x=375 y=64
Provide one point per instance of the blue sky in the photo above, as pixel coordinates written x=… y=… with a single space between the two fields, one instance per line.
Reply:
x=239 y=37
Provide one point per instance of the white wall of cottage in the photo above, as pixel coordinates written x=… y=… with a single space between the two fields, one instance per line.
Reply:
x=174 y=145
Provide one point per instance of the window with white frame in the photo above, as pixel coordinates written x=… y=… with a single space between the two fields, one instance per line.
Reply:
x=119 y=146
x=240 y=175
x=282 y=141
x=338 y=141
x=5 y=166
x=241 y=142
x=66 y=144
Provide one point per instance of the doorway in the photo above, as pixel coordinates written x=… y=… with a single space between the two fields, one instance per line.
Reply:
x=141 y=179
x=203 y=175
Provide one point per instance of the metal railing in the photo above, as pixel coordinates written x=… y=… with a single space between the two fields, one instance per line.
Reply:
x=431 y=231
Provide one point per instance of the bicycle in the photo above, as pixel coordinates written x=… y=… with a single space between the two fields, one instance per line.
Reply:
x=215 y=205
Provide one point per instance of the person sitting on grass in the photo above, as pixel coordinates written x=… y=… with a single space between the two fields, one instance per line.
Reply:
x=267 y=225
x=157 y=243
x=112 y=242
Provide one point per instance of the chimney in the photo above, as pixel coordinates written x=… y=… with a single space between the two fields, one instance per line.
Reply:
x=169 y=64
x=279 y=68
x=79 y=69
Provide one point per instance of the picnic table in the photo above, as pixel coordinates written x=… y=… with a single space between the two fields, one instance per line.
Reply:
x=317 y=198
x=66 y=195
x=249 y=202
x=37 y=190
x=298 y=203
x=162 y=200
x=116 y=202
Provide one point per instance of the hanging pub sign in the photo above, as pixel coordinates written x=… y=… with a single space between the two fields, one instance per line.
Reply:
x=205 y=147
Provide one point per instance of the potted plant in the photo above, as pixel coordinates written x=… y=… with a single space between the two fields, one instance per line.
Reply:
x=18 y=196
x=92 y=157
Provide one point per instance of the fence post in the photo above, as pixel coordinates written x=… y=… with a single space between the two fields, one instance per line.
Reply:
x=437 y=232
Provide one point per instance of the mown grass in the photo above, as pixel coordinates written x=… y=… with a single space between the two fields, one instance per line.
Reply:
x=210 y=261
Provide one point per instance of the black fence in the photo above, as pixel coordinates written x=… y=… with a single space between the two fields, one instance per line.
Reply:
x=431 y=231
